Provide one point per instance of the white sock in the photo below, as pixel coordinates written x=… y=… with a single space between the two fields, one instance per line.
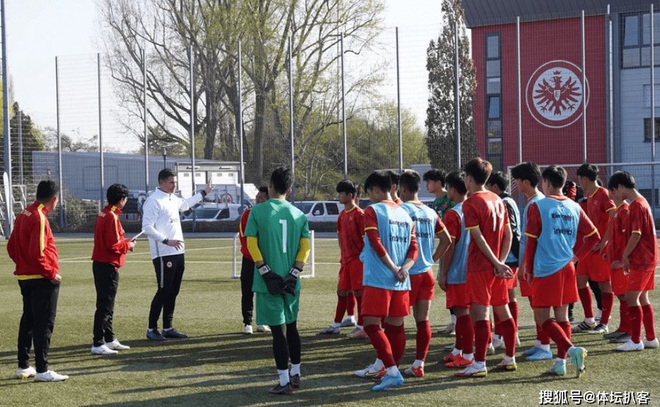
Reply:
x=295 y=369
x=590 y=321
x=468 y=356
x=284 y=376
x=537 y=343
x=507 y=360
x=378 y=364
x=456 y=352
x=418 y=363
x=351 y=317
x=392 y=371
x=453 y=319
x=545 y=347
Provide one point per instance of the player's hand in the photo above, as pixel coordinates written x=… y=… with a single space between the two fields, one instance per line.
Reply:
x=209 y=188
x=442 y=281
x=177 y=244
x=57 y=279
x=503 y=271
x=626 y=266
x=131 y=244
x=291 y=280
x=274 y=282
x=401 y=275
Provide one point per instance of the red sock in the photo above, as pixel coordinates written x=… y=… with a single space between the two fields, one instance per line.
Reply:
x=422 y=340
x=624 y=319
x=608 y=303
x=566 y=326
x=649 y=328
x=481 y=338
x=513 y=307
x=350 y=303
x=341 y=308
x=358 y=301
x=397 y=337
x=465 y=339
x=585 y=299
x=496 y=324
x=558 y=336
x=381 y=344
x=635 y=316
x=542 y=336
x=509 y=335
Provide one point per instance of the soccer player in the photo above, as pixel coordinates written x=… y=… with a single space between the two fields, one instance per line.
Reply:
x=32 y=248
x=599 y=209
x=487 y=221
x=558 y=233
x=498 y=183
x=394 y=190
x=390 y=250
x=453 y=274
x=247 y=269
x=108 y=255
x=422 y=282
x=162 y=224
x=639 y=258
x=350 y=227
x=278 y=240
x=527 y=176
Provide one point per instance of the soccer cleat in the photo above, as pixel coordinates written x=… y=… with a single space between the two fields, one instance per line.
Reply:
x=389 y=381
x=154 y=335
x=598 y=316
x=558 y=369
x=25 y=373
x=540 y=354
x=450 y=329
x=115 y=345
x=263 y=328
x=331 y=330
x=600 y=329
x=247 y=330
x=650 y=344
x=531 y=351
x=449 y=357
x=577 y=356
x=370 y=372
x=491 y=349
x=459 y=362
x=506 y=367
x=583 y=326
x=295 y=381
x=613 y=334
x=174 y=334
x=50 y=376
x=498 y=343
x=347 y=322
x=357 y=333
x=630 y=346
x=621 y=339
x=472 y=371
x=103 y=350
x=414 y=371
x=279 y=389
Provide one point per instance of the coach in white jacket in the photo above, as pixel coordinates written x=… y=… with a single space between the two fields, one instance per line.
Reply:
x=161 y=223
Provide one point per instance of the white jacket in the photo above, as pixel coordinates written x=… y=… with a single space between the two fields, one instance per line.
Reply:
x=160 y=220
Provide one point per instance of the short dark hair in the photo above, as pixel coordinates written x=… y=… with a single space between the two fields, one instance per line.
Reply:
x=116 y=192
x=623 y=178
x=479 y=169
x=456 y=180
x=435 y=174
x=394 y=176
x=281 y=179
x=347 y=186
x=528 y=171
x=588 y=170
x=410 y=180
x=380 y=179
x=500 y=179
x=556 y=175
x=263 y=189
x=46 y=190
x=164 y=174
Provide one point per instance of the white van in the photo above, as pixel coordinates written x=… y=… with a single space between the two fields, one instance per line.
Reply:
x=320 y=211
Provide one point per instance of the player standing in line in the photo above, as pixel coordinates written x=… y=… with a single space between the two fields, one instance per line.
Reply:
x=390 y=250
x=556 y=227
x=527 y=176
x=422 y=282
x=350 y=227
x=32 y=248
x=394 y=190
x=599 y=209
x=490 y=240
x=435 y=184
x=498 y=183
x=619 y=234
x=639 y=260
x=453 y=274
x=108 y=255
x=278 y=241
x=247 y=269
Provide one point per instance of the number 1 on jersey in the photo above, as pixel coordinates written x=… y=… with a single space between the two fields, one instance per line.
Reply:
x=283 y=223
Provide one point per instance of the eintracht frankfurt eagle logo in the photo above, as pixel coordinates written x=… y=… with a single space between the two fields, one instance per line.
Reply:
x=554 y=94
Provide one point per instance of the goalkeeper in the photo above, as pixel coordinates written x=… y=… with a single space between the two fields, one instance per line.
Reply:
x=278 y=240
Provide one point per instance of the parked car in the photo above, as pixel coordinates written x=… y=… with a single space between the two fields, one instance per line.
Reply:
x=210 y=213
x=320 y=211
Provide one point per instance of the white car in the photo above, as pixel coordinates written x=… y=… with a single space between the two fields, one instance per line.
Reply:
x=320 y=211
x=210 y=213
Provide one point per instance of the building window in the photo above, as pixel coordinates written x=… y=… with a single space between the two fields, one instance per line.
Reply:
x=493 y=80
x=636 y=40
x=647 y=129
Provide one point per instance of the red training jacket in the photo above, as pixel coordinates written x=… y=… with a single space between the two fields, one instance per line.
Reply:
x=110 y=246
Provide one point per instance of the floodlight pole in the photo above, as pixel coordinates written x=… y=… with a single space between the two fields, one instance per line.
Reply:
x=5 y=121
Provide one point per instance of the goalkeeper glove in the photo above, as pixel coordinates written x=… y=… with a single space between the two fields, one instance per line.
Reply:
x=291 y=280
x=274 y=282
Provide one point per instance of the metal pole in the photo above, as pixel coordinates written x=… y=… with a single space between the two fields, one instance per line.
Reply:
x=343 y=105
x=5 y=121
x=98 y=65
x=291 y=132
x=192 y=121
x=520 y=153
x=240 y=124
x=398 y=102
x=144 y=124
x=59 y=146
x=584 y=94
x=457 y=95
x=19 y=115
x=653 y=200
x=611 y=85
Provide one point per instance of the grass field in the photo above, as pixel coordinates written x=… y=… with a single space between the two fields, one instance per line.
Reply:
x=218 y=366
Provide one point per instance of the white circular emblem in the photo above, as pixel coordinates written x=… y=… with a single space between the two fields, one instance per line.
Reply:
x=169 y=264
x=554 y=94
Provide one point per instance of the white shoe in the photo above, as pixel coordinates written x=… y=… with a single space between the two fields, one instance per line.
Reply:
x=331 y=330
x=247 y=329
x=650 y=344
x=115 y=345
x=50 y=376
x=630 y=346
x=25 y=373
x=370 y=372
x=450 y=329
x=491 y=349
x=102 y=350
x=350 y=321
x=599 y=315
x=498 y=342
x=263 y=328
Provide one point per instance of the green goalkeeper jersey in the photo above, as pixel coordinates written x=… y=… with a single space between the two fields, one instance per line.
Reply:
x=278 y=227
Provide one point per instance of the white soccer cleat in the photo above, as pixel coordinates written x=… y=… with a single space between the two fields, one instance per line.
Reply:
x=101 y=350
x=263 y=328
x=650 y=344
x=26 y=373
x=50 y=376
x=116 y=345
x=247 y=329
x=630 y=346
